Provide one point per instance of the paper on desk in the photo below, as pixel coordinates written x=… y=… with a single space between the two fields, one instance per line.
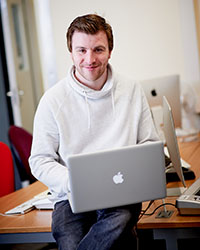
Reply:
x=43 y=204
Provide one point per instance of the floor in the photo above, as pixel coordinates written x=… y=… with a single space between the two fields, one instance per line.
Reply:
x=38 y=246
x=144 y=244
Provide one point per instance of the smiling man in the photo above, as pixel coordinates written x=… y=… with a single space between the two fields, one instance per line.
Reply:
x=92 y=109
x=90 y=54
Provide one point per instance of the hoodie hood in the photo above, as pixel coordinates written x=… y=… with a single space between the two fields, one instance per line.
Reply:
x=88 y=93
x=91 y=93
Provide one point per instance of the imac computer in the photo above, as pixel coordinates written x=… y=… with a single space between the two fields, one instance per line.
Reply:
x=155 y=89
x=172 y=144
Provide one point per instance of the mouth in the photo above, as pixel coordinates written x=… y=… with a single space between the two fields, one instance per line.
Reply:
x=91 y=68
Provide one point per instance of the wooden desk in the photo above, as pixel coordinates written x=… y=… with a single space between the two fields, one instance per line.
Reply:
x=32 y=227
x=177 y=226
x=35 y=226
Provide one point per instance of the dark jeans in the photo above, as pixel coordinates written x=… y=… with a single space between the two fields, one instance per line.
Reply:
x=97 y=230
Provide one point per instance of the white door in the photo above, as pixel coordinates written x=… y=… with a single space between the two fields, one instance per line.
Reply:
x=22 y=63
x=22 y=91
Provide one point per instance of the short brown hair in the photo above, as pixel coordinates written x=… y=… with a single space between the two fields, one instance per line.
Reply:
x=89 y=24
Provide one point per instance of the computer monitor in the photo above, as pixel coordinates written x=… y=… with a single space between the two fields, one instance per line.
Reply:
x=168 y=86
x=171 y=139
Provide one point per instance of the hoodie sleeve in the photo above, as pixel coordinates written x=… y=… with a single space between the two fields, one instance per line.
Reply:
x=44 y=160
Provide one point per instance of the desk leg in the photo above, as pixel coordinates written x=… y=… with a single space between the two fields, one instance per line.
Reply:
x=171 y=235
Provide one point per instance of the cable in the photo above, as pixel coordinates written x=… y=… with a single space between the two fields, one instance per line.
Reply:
x=171 y=204
x=134 y=232
x=144 y=211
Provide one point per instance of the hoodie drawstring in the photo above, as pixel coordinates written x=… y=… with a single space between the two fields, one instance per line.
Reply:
x=88 y=109
x=113 y=103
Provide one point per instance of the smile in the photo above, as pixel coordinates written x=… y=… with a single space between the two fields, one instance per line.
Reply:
x=91 y=68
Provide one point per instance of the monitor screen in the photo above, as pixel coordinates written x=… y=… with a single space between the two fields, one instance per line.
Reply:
x=168 y=86
x=171 y=139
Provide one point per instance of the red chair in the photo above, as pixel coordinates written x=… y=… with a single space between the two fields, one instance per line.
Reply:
x=21 y=141
x=7 y=184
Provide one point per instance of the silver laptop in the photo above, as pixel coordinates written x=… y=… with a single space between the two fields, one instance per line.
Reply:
x=117 y=177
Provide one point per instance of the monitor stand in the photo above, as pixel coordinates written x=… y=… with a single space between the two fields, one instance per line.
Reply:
x=177 y=191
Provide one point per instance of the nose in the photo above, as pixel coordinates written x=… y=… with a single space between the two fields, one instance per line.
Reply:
x=90 y=57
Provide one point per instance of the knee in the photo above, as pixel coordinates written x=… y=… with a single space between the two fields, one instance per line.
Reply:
x=130 y=214
x=124 y=217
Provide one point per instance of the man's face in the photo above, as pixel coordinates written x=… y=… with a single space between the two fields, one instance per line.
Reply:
x=90 y=55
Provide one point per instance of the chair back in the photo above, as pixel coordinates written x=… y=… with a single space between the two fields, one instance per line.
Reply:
x=21 y=140
x=7 y=170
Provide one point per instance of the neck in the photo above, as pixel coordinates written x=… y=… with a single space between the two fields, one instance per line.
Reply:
x=96 y=85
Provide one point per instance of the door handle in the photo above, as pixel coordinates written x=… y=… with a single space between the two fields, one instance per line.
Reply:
x=11 y=93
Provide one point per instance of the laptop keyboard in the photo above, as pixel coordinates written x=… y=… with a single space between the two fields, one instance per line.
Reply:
x=198 y=193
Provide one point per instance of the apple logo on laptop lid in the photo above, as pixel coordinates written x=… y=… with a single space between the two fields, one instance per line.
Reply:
x=118 y=178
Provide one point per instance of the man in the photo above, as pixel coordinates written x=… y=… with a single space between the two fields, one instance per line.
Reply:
x=91 y=109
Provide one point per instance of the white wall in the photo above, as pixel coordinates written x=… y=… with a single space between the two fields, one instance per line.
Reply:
x=152 y=38
x=148 y=34
x=189 y=42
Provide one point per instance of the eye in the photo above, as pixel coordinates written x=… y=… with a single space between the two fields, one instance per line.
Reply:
x=82 y=50
x=99 y=49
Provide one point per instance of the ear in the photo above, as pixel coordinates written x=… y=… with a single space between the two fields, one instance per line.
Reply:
x=110 y=52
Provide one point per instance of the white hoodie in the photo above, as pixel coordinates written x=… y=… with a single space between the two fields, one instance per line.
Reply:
x=72 y=118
